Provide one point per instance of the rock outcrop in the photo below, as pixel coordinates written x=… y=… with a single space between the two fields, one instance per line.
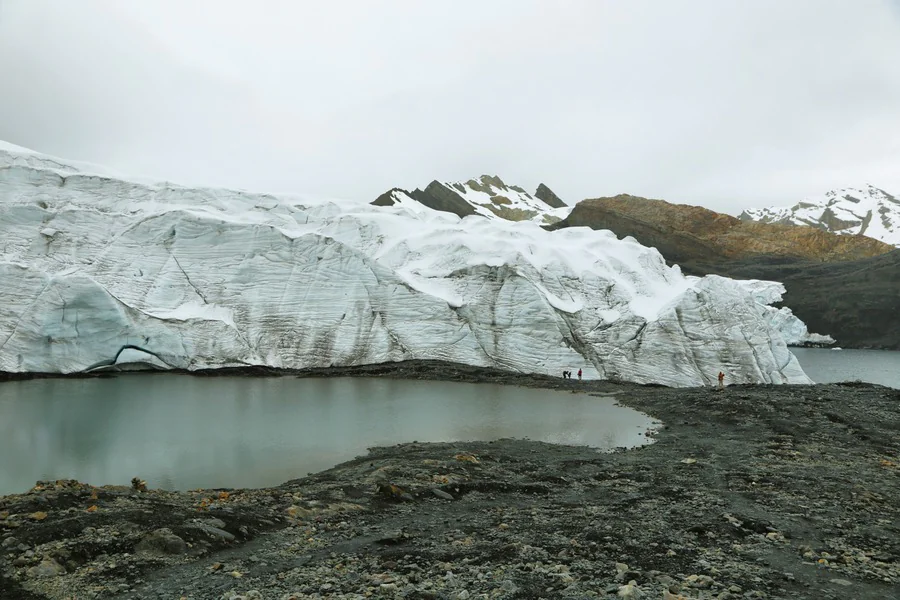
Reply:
x=548 y=197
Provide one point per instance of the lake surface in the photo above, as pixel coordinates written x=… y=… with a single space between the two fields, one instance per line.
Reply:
x=183 y=432
x=824 y=365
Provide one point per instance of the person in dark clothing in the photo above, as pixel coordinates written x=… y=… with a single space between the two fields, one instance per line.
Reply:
x=579 y=374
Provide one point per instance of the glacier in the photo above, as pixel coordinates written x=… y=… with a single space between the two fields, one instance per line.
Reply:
x=792 y=330
x=99 y=269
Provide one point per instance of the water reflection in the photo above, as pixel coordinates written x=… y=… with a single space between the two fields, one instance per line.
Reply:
x=180 y=432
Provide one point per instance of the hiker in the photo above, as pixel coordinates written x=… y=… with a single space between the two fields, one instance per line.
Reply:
x=721 y=380
x=579 y=374
x=565 y=374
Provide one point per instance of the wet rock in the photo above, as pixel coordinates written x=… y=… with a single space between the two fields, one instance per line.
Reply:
x=214 y=533
x=162 y=541
x=9 y=542
x=47 y=568
x=441 y=494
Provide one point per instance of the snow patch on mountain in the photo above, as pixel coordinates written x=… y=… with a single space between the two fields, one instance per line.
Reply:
x=487 y=196
x=97 y=270
x=492 y=198
x=868 y=211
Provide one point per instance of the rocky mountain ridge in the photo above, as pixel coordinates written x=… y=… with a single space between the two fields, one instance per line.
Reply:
x=684 y=234
x=867 y=211
x=487 y=196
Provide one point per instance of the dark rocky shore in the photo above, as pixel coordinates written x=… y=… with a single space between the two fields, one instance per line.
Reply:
x=754 y=492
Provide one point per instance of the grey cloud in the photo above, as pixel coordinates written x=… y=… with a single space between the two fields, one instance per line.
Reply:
x=724 y=104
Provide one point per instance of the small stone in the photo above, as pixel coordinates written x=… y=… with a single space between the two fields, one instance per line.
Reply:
x=38 y=516
x=253 y=595
x=388 y=587
x=162 y=541
x=47 y=568
x=699 y=581
x=688 y=461
x=844 y=582
x=441 y=494
x=629 y=591
x=390 y=537
x=509 y=587
x=9 y=542
x=214 y=532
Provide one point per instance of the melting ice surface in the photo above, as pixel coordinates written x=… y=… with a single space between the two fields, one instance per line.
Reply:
x=183 y=432
x=96 y=269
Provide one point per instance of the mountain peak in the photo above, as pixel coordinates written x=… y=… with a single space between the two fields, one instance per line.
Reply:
x=488 y=196
x=549 y=198
x=867 y=210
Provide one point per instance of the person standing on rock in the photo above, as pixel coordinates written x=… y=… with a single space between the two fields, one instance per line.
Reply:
x=721 y=380
x=579 y=374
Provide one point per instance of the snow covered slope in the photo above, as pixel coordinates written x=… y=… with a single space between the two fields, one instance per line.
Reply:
x=487 y=196
x=853 y=211
x=98 y=270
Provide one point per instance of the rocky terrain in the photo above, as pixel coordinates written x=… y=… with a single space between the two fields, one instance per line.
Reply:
x=752 y=492
x=846 y=286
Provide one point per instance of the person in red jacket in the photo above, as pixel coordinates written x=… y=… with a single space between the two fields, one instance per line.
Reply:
x=721 y=380
x=579 y=374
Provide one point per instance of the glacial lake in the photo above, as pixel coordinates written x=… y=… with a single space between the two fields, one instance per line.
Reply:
x=824 y=365
x=183 y=432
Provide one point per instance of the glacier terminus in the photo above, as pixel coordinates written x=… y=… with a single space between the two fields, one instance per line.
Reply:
x=99 y=269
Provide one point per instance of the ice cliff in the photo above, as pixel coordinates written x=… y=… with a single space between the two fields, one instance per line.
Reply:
x=97 y=269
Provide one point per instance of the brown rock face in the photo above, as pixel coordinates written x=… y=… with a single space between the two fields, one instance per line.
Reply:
x=842 y=285
x=690 y=234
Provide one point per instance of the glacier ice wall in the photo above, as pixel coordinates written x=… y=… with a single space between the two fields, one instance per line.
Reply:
x=792 y=330
x=96 y=269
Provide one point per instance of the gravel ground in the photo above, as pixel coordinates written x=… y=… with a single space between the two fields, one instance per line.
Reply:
x=753 y=492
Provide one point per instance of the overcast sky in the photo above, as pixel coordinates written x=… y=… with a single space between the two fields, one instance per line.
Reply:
x=720 y=103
